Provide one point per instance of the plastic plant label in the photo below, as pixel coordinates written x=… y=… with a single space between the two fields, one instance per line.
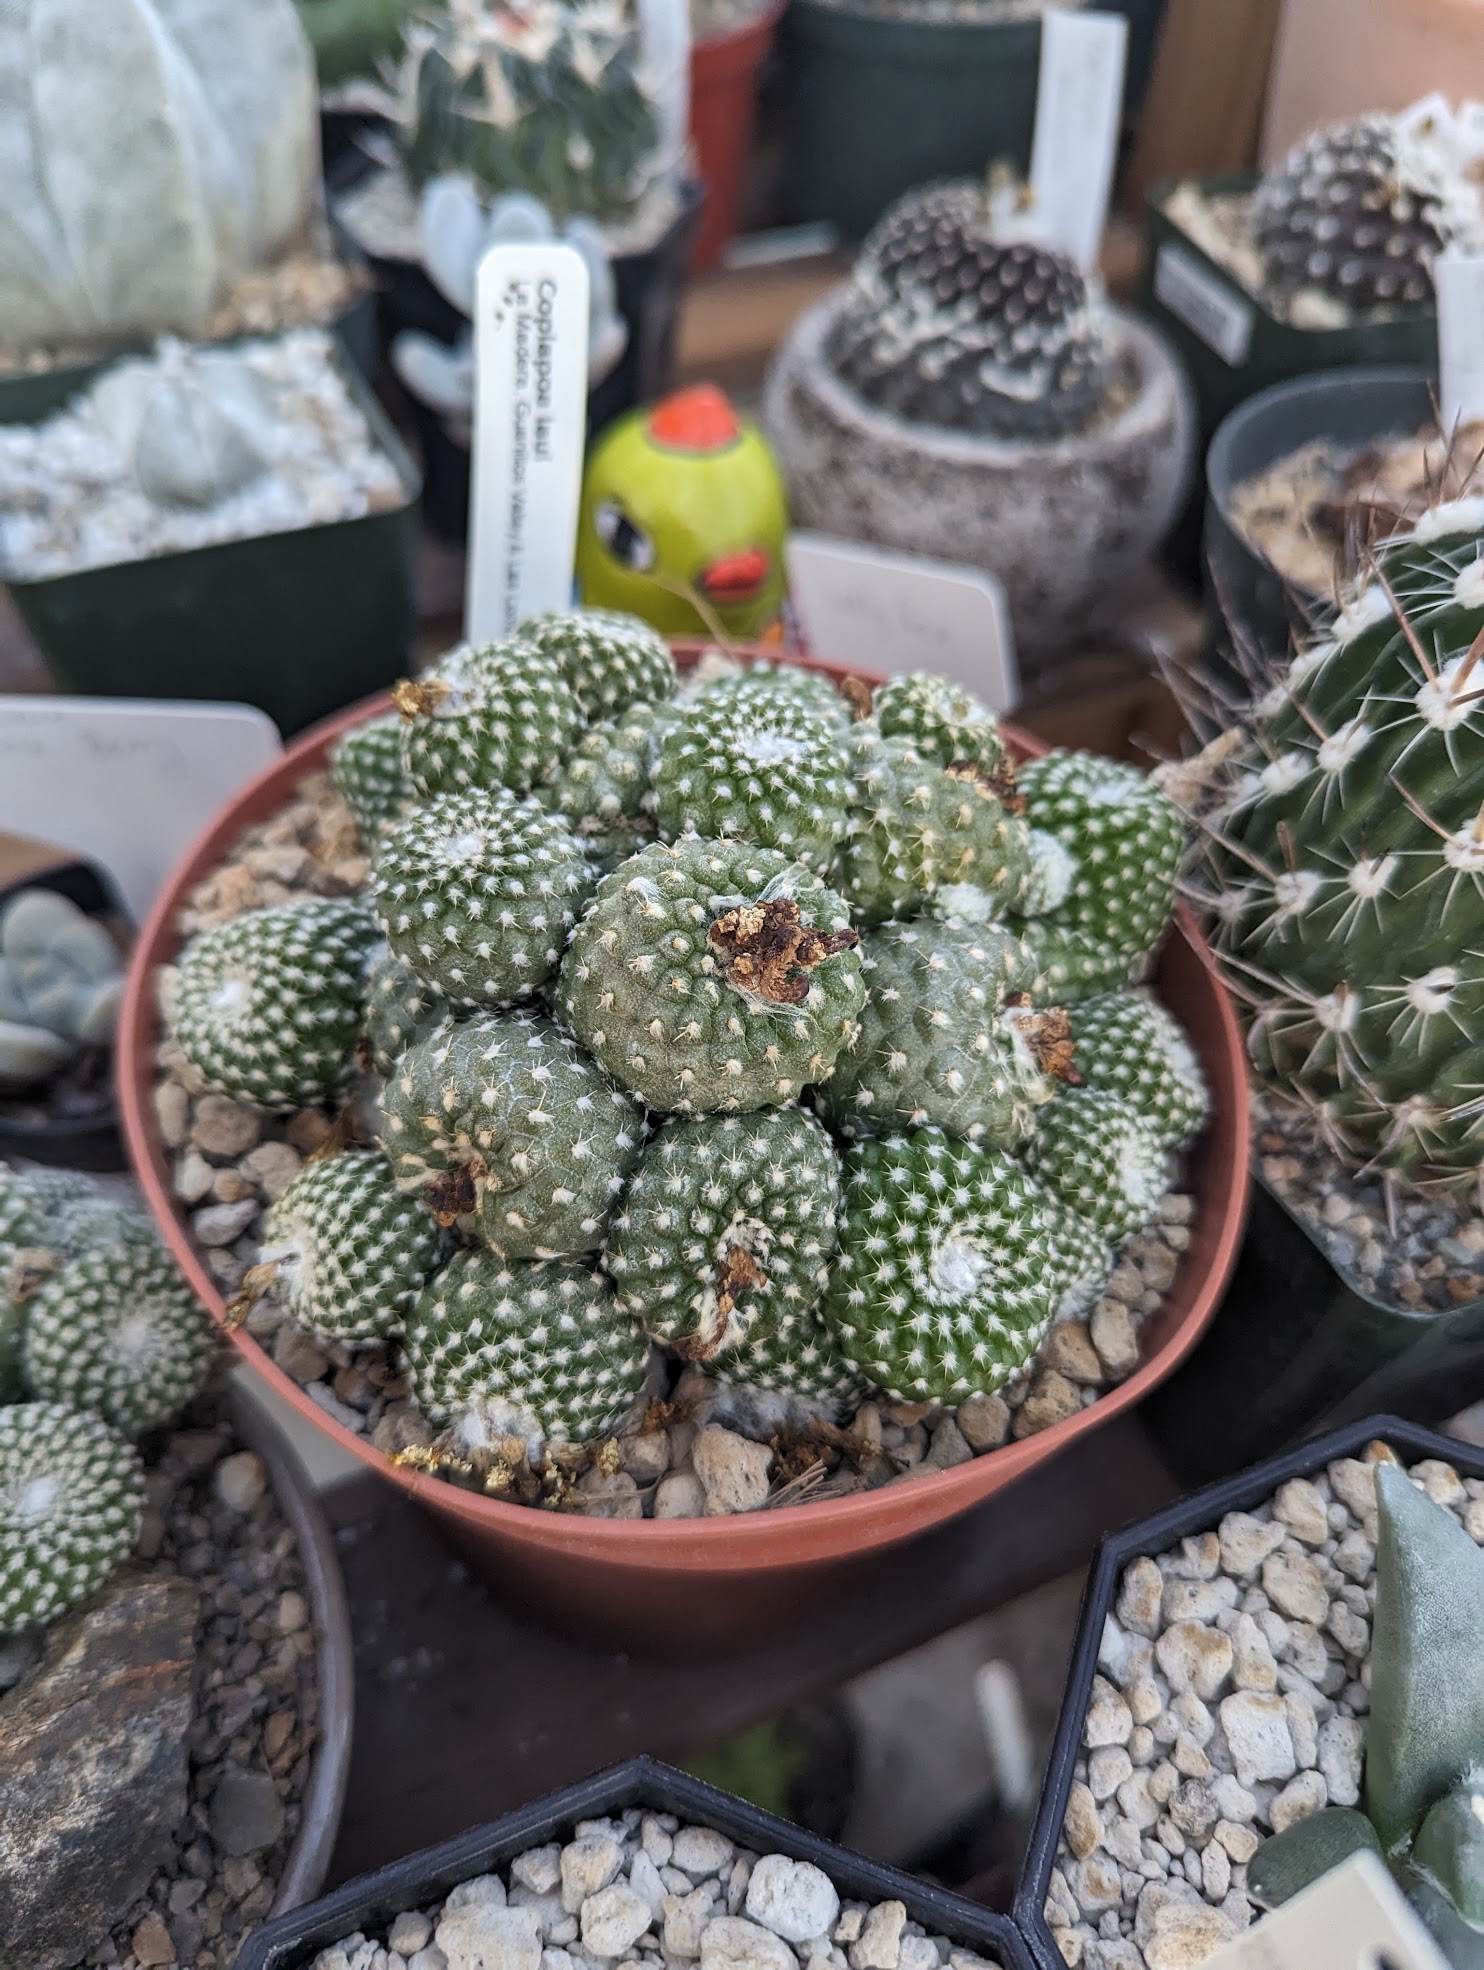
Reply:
x=1355 y=1918
x=530 y=423
x=1206 y=305
x=1459 y=279
x=1079 y=103
x=126 y=783
x=882 y=611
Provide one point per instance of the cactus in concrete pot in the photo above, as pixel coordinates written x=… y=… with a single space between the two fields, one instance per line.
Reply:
x=1424 y=1767
x=153 y=152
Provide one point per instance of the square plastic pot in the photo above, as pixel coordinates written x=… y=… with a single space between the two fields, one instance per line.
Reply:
x=1296 y=1347
x=1150 y=1537
x=297 y=623
x=291 y=1942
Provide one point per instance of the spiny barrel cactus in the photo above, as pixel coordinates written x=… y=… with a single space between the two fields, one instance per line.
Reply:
x=610 y=661
x=537 y=1351
x=950 y=320
x=545 y=97
x=71 y=1505
x=348 y=1253
x=476 y=893
x=1360 y=210
x=726 y=1231
x=712 y=975
x=503 y=1124
x=1424 y=1764
x=269 y=1005
x=1344 y=837
x=486 y=715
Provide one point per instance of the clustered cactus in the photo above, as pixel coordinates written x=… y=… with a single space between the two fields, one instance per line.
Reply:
x=725 y=1027
x=955 y=317
x=100 y=1341
x=1343 y=824
x=1423 y=1794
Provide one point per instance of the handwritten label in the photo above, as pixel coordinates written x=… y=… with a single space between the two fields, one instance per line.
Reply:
x=1079 y=104
x=1206 y=305
x=901 y=612
x=1459 y=278
x=127 y=783
x=530 y=417
x=1354 y=1918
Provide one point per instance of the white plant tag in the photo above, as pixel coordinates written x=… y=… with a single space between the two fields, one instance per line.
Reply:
x=126 y=783
x=1079 y=103
x=1355 y=1918
x=1206 y=305
x=1459 y=278
x=891 y=612
x=530 y=414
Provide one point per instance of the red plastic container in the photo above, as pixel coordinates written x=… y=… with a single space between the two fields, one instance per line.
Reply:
x=723 y=93
x=687 y=1586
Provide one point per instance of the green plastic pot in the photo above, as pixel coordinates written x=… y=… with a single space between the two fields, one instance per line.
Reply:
x=876 y=104
x=297 y=623
x=1350 y=408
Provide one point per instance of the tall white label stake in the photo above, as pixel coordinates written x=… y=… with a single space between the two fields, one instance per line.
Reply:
x=1353 y=1918
x=1459 y=279
x=1079 y=103
x=530 y=413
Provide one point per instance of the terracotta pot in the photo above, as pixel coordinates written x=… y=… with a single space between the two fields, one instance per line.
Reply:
x=699 y=1585
x=723 y=84
x=1337 y=58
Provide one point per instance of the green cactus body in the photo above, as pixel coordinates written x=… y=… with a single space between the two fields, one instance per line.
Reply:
x=916 y=827
x=368 y=773
x=21 y=1229
x=800 y=1363
x=1102 y=1159
x=487 y=715
x=713 y=976
x=503 y=1123
x=1084 y=1257
x=1126 y=839
x=948 y=1276
x=400 y=1009
x=610 y=661
x=1346 y=849
x=760 y=686
x=476 y=893
x=269 y=1005
x=71 y=1505
x=763 y=770
x=935 y=1044
x=538 y=1351
x=117 y=1330
x=940 y=719
x=351 y=1253
x=549 y=99
x=602 y=787
x=725 y=1234
x=1126 y=1044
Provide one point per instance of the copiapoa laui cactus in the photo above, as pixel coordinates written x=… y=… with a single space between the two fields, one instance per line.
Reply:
x=486 y=715
x=156 y=151
x=1424 y=1765
x=954 y=317
x=1344 y=870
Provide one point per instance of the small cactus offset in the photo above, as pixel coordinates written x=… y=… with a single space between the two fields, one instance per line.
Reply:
x=484 y=716
x=1343 y=824
x=71 y=1506
x=952 y=320
x=603 y=787
x=547 y=97
x=609 y=661
x=367 y=768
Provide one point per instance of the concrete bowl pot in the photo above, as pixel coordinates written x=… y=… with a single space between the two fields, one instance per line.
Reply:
x=705 y=1585
x=1063 y=524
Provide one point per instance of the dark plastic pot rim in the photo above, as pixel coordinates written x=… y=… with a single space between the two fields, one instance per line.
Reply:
x=1198 y=1512
x=1322 y=386
x=290 y=1943
x=901 y=37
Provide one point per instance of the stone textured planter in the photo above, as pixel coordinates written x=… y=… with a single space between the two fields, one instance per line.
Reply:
x=1062 y=524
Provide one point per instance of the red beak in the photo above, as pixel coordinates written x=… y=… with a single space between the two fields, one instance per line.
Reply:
x=735 y=577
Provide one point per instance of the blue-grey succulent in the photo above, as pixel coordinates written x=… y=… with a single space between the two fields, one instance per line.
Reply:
x=61 y=980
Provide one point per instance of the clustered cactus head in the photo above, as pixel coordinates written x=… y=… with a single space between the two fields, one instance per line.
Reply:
x=1343 y=827
x=789 y=1091
x=1424 y=1765
x=541 y=96
x=1359 y=211
x=71 y=1505
x=954 y=318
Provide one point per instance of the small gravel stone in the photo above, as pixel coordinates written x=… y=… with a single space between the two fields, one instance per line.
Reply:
x=1115 y=1334
x=1256 y=1727
x=1141 y=1598
x=484 y=1936
x=1246 y=1542
x=1295 y=1586
x=272 y=1167
x=409 y=1933
x=731 y=1942
x=880 y=1943
x=1194 y=1657
x=587 y=1866
x=151 y=1943
x=733 y=1471
x=983 y=1421
x=239 y=1481
x=1109 y=1719
x=172 y=1107
x=1302 y=1796
x=219 y=1224
x=700 y=1852
x=1083 y=1826
x=681 y=1495
x=1184 y=1934
x=246 y=1813
x=614 y=1919
x=225 y=1129
x=792 y=1898
x=1300 y=1506
x=686 y=1917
